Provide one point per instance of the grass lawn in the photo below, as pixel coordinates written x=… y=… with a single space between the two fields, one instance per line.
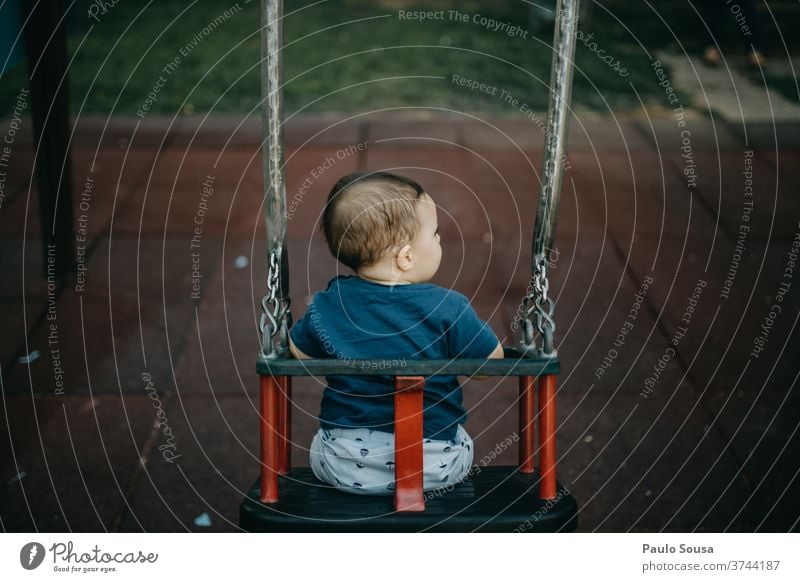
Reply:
x=352 y=55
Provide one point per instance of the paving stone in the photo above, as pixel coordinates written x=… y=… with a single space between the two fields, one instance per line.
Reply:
x=113 y=355
x=650 y=465
x=325 y=130
x=759 y=415
x=220 y=131
x=502 y=134
x=721 y=185
x=646 y=197
x=246 y=131
x=201 y=353
x=153 y=271
x=605 y=331
x=750 y=398
x=101 y=181
x=676 y=261
x=173 y=200
x=601 y=135
x=769 y=136
x=120 y=132
x=13 y=330
x=509 y=186
x=785 y=162
x=407 y=132
x=23 y=264
x=622 y=457
x=235 y=208
x=223 y=339
x=628 y=486
x=706 y=135
x=209 y=470
x=516 y=171
x=73 y=460
x=737 y=295
x=107 y=330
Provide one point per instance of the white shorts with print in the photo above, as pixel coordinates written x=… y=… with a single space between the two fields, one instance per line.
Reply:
x=360 y=460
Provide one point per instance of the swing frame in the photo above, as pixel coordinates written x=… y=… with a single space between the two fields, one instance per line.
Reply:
x=536 y=367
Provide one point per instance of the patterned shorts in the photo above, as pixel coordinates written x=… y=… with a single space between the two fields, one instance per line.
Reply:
x=361 y=460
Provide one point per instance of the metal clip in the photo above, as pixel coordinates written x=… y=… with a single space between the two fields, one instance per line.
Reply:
x=275 y=315
x=537 y=304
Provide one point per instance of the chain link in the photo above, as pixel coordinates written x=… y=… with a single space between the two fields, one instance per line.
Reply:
x=538 y=304
x=275 y=316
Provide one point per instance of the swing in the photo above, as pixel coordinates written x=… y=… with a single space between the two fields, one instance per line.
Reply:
x=494 y=498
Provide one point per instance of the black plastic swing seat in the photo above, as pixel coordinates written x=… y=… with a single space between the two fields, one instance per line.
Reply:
x=492 y=499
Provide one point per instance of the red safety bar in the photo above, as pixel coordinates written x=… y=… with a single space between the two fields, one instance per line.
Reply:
x=270 y=389
x=276 y=436
x=527 y=412
x=284 y=424
x=408 y=443
x=547 y=437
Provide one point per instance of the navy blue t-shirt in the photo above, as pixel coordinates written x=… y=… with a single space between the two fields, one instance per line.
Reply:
x=357 y=319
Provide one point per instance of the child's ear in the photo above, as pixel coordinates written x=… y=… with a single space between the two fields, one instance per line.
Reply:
x=404 y=258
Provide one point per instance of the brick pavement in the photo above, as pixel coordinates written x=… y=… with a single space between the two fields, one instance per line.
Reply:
x=712 y=447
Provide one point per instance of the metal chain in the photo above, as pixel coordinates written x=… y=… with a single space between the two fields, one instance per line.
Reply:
x=275 y=312
x=537 y=303
x=542 y=307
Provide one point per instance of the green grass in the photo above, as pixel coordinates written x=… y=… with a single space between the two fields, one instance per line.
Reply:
x=342 y=56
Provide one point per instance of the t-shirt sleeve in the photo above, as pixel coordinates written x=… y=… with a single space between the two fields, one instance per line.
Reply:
x=303 y=336
x=468 y=336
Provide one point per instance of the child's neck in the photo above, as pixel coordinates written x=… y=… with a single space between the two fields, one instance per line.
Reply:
x=384 y=273
x=381 y=281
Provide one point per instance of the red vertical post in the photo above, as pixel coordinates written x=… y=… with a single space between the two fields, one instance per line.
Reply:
x=547 y=436
x=408 y=443
x=527 y=411
x=269 y=438
x=284 y=423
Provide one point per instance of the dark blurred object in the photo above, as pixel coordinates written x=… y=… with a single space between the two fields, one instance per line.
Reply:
x=745 y=16
x=542 y=15
x=46 y=49
x=10 y=44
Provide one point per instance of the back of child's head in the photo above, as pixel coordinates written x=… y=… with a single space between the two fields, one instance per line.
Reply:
x=367 y=214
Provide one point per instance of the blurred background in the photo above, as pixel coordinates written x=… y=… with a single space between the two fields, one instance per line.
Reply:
x=133 y=243
x=345 y=56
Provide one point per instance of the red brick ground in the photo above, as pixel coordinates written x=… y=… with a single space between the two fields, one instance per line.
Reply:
x=713 y=447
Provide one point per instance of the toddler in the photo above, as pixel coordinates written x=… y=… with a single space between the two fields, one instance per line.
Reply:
x=385 y=228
